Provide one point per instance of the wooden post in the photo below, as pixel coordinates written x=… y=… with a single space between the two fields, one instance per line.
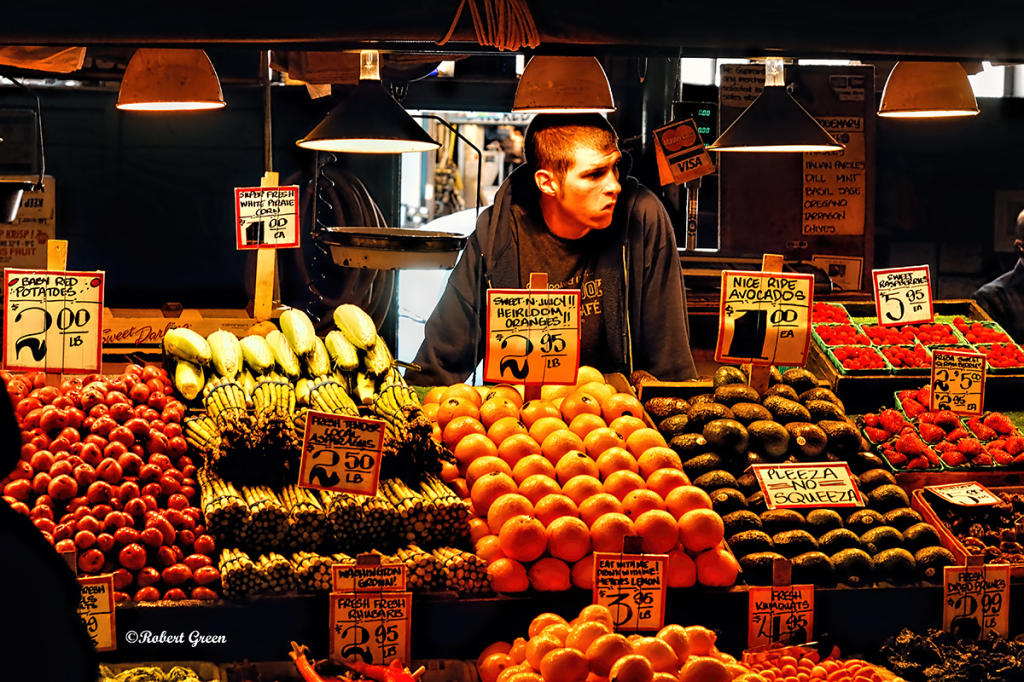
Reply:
x=266 y=266
x=538 y=280
x=760 y=374
x=57 y=255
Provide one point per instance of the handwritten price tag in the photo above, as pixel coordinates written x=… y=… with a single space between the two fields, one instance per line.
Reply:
x=764 y=318
x=967 y=494
x=377 y=577
x=533 y=336
x=976 y=593
x=903 y=295
x=794 y=486
x=958 y=381
x=52 y=321
x=633 y=587
x=96 y=609
x=780 y=615
x=341 y=453
x=266 y=217
x=373 y=628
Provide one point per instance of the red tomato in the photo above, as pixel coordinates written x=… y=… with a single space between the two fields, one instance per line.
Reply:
x=139 y=393
x=149 y=593
x=133 y=557
x=115 y=449
x=99 y=492
x=42 y=460
x=206 y=575
x=129 y=490
x=105 y=542
x=122 y=434
x=122 y=578
x=204 y=544
x=91 y=454
x=20 y=489
x=85 y=475
x=84 y=539
x=90 y=561
x=126 y=535
x=62 y=487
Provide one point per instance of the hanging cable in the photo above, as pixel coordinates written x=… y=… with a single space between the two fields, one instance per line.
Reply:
x=506 y=24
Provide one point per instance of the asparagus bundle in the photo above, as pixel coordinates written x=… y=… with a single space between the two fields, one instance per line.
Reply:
x=451 y=518
x=202 y=434
x=274 y=397
x=227 y=514
x=345 y=518
x=409 y=449
x=312 y=571
x=277 y=571
x=381 y=520
x=423 y=568
x=307 y=520
x=269 y=518
x=239 y=575
x=415 y=513
x=463 y=571
x=327 y=394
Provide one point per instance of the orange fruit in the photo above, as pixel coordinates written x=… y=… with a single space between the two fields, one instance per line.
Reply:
x=459 y=487
x=518 y=651
x=598 y=389
x=495 y=409
x=517 y=446
x=542 y=621
x=568 y=539
x=686 y=498
x=640 y=440
x=535 y=409
x=544 y=426
x=471 y=447
x=550 y=575
x=535 y=487
x=621 y=483
x=682 y=572
x=505 y=427
x=478 y=529
x=488 y=488
x=578 y=403
x=496 y=648
x=453 y=407
x=558 y=630
x=616 y=459
x=663 y=481
x=574 y=463
x=585 y=632
x=671 y=677
x=508 y=673
x=702 y=640
x=599 y=440
x=607 y=532
x=458 y=428
x=449 y=471
x=435 y=432
x=598 y=612
x=507 y=392
x=463 y=391
x=621 y=404
x=717 y=567
x=489 y=668
x=584 y=423
x=583 y=574
x=588 y=373
x=604 y=651
x=561 y=442
x=579 y=488
x=488 y=549
x=430 y=410
x=656 y=458
x=553 y=507
x=641 y=501
x=485 y=465
x=526 y=676
x=632 y=668
x=434 y=395
x=598 y=505
x=555 y=392
x=675 y=636
x=538 y=647
x=563 y=665
x=705 y=669
x=523 y=538
x=505 y=507
x=532 y=465
x=508 y=575
x=627 y=424
x=659 y=531
x=700 y=529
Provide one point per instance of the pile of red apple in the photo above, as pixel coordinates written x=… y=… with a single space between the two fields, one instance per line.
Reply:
x=104 y=472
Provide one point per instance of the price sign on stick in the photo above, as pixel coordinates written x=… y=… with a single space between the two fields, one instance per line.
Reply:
x=958 y=381
x=780 y=615
x=341 y=453
x=966 y=494
x=633 y=587
x=976 y=599
x=533 y=336
x=373 y=628
x=266 y=217
x=903 y=295
x=52 y=321
x=795 y=486
x=764 y=318
x=96 y=609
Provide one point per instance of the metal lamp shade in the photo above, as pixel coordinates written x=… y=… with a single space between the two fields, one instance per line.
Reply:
x=170 y=80
x=562 y=85
x=10 y=199
x=775 y=122
x=369 y=121
x=928 y=90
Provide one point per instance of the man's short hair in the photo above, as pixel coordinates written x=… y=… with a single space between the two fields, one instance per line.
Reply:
x=552 y=140
x=1019 y=231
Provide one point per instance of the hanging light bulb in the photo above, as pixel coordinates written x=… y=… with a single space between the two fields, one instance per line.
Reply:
x=169 y=80
x=928 y=90
x=563 y=85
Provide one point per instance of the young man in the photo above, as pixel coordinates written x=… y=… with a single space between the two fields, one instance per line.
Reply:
x=1003 y=297
x=568 y=214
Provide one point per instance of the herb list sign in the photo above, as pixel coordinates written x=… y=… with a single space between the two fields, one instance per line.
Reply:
x=341 y=453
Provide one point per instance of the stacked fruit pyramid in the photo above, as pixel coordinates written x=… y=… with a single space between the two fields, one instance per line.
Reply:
x=574 y=472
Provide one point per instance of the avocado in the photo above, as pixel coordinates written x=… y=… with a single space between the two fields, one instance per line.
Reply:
x=881 y=538
x=854 y=567
x=759 y=567
x=800 y=379
x=736 y=393
x=664 y=407
x=781 y=390
x=688 y=445
x=774 y=376
x=930 y=562
x=746 y=413
x=728 y=374
x=790 y=543
x=823 y=394
x=814 y=568
x=785 y=410
x=864 y=461
x=872 y=478
x=823 y=409
x=863 y=520
x=702 y=464
x=769 y=437
x=740 y=521
x=837 y=540
x=782 y=520
x=747 y=483
x=821 y=521
x=713 y=480
x=756 y=503
x=727 y=436
x=673 y=426
x=727 y=500
x=749 y=542
x=702 y=414
x=921 y=535
x=843 y=437
x=702 y=399
x=901 y=519
x=887 y=497
x=895 y=565
x=807 y=441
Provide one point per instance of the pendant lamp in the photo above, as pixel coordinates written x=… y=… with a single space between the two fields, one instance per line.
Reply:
x=159 y=79
x=369 y=120
x=775 y=122
x=563 y=85
x=928 y=90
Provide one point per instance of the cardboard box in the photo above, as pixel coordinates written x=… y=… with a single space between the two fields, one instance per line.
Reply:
x=139 y=329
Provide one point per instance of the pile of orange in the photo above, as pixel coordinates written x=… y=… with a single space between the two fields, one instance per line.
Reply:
x=555 y=479
x=587 y=649
x=800 y=663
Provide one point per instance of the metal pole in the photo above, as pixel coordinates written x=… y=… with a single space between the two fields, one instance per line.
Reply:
x=268 y=140
x=692 y=189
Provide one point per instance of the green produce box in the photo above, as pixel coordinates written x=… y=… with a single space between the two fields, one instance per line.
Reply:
x=905 y=371
x=830 y=352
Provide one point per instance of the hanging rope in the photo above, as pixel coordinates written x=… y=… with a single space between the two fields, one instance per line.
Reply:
x=508 y=26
